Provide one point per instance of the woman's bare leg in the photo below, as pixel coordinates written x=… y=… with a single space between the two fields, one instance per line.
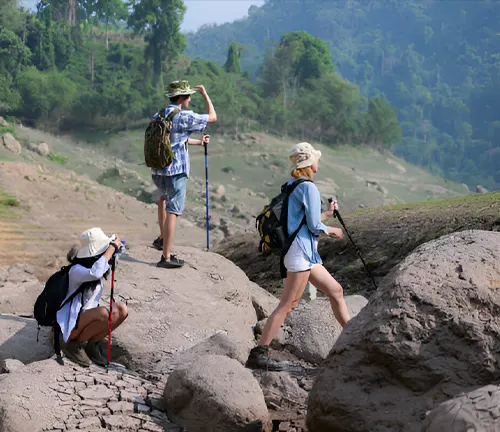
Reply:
x=93 y=323
x=293 y=288
x=325 y=282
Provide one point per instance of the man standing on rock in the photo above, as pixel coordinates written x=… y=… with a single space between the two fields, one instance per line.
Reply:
x=172 y=181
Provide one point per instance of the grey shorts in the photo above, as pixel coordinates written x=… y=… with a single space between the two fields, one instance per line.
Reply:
x=173 y=188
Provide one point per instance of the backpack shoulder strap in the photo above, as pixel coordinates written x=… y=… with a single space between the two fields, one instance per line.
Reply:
x=290 y=188
x=173 y=114
x=79 y=290
x=161 y=112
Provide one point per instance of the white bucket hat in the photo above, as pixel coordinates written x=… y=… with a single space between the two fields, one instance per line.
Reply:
x=94 y=242
x=303 y=155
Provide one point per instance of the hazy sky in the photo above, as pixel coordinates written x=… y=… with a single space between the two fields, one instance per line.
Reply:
x=203 y=11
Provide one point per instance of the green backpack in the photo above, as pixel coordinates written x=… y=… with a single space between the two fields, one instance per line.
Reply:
x=157 y=148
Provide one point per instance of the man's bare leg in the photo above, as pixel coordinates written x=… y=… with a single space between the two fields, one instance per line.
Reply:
x=168 y=234
x=162 y=214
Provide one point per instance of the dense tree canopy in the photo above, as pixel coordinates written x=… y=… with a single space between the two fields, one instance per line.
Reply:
x=436 y=61
x=87 y=64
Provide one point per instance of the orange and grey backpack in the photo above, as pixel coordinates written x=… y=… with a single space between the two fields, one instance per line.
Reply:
x=272 y=223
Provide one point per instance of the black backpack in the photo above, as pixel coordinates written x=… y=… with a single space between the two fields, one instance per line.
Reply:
x=50 y=300
x=272 y=224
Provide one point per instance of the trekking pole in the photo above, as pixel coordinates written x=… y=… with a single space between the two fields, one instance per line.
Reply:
x=206 y=195
x=336 y=214
x=110 y=320
x=115 y=258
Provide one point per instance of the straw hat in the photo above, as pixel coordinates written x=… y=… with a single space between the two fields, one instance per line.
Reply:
x=94 y=242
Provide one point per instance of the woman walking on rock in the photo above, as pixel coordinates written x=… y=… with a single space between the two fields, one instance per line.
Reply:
x=302 y=261
x=83 y=323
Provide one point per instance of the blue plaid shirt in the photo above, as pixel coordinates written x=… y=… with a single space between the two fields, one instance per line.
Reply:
x=183 y=125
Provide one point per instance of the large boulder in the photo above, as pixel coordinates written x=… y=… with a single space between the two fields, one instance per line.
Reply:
x=218 y=344
x=477 y=410
x=172 y=310
x=281 y=391
x=216 y=393
x=311 y=329
x=430 y=331
x=11 y=144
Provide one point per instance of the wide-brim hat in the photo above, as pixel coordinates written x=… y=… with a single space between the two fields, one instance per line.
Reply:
x=93 y=243
x=303 y=155
x=179 y=88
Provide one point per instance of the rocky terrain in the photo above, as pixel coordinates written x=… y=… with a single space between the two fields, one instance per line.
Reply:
x=419 y=354
x=384 y=236
x=178 y=324
x=245 y=171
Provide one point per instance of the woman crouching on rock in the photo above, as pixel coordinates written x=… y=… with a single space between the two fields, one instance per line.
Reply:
x=84 y=324
x=302 y=262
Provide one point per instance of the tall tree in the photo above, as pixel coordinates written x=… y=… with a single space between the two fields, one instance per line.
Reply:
x=232 y=64
x=10 y=15
x=105 y=11
x=160 y=22
x=294 y=63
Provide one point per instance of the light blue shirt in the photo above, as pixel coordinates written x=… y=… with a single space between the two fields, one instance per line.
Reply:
x=78 y=274
x=306 y=200
x=184 y=124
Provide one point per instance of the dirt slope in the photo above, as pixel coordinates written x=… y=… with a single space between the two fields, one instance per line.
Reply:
x=384 y=236
x=56 y=205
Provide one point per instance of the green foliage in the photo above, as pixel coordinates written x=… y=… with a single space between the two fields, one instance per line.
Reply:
x=62 y=74
x=312 y=101
x=14 y=55
x=232 y=94
x=436 y=62
x=232 y=64
x=57 y=158
x=7 y=129
x=382 y=128
x=7 y=204
x=159 y=21
x=10 y=16
x=47 y=96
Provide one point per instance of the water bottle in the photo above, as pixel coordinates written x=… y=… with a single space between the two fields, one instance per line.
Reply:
x=120 y=251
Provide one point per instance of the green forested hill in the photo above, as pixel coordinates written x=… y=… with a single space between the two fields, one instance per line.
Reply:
x=437 y=62
x=85 y=66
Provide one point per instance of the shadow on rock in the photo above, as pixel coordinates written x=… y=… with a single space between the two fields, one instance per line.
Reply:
x=18 y=340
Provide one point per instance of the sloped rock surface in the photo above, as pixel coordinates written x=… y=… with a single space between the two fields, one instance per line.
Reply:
x=171 y=311
x=429 y=332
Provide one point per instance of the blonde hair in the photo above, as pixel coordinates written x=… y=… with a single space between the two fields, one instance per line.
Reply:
x=303 y=172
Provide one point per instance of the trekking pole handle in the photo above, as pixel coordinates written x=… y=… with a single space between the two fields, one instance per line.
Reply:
x=335 y=211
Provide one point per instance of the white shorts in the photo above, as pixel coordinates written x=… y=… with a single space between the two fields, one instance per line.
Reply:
x=296 y=260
